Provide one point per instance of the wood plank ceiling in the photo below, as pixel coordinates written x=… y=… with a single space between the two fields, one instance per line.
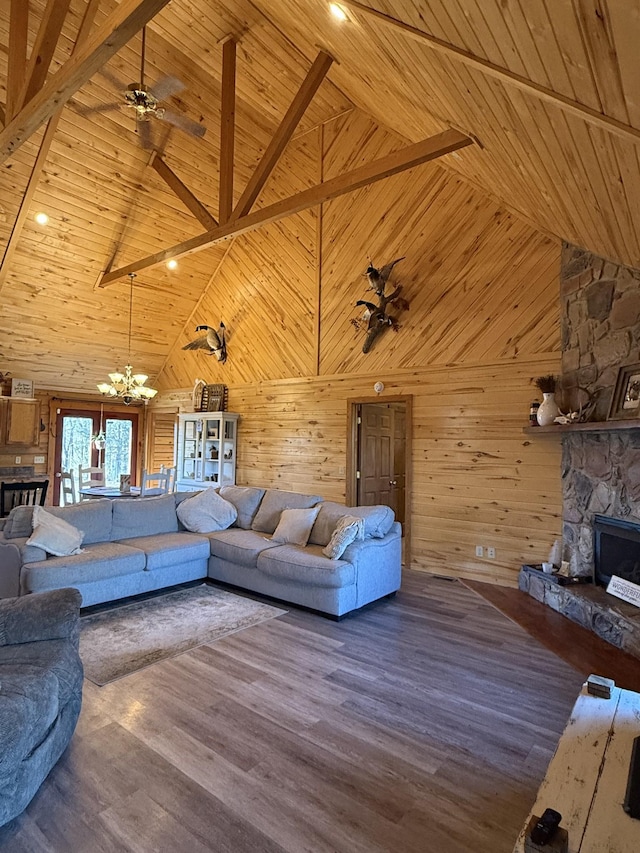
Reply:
x=551 y=91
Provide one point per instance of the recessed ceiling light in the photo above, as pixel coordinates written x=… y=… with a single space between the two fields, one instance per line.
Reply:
x=172 y=264
x=338 y=12
x=41 y=218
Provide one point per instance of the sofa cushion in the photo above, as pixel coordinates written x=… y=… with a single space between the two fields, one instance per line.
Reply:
x=97 y=562
x=348 y=529
x=143 y=517
x=239 y=546
x=170 y=549
x=306 y=565
x=377 y=521
x=246 y=500
x=295 y=526
x=92 y=517
x=54 y=535
x=274 y=501
x=28 y=708
x=41 y=656
x=29 y=553
x=207 y=512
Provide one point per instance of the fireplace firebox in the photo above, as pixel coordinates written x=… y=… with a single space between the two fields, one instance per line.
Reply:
x=616 y=544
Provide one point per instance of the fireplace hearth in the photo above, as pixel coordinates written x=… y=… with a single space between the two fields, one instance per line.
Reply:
x=616 y=549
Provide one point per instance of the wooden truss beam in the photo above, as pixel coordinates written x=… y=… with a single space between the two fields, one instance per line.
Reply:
x=43 y=49
x=283 y=134
x=185 y=195
x=544 y=94
x=17 y=59
x=45 y=145
x=227 y=130
x=392 y=164
x=125 y=20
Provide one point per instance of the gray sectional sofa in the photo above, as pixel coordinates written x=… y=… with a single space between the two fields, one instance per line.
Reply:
x=133 y=546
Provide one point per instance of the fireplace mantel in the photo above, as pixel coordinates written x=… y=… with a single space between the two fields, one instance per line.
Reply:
x=592 y=426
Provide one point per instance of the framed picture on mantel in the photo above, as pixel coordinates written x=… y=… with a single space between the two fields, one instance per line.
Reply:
x=625 y=402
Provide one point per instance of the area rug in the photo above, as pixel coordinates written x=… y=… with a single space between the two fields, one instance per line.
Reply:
x=125 y=639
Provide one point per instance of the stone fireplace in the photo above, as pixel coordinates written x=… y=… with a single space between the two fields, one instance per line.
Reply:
x=600 y=332
x=600 y=326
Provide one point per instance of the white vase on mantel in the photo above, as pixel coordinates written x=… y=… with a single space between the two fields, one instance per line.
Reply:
x=548 y=409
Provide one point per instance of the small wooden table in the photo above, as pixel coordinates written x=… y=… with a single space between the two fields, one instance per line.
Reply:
x=587 y=777
x=109 y=492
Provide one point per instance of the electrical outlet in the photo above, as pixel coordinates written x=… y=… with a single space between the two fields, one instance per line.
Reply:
x=38 y=460
x=479 y=551
x=18 y=460
x=491 y=553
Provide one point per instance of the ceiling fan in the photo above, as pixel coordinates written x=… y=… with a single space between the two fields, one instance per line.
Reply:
x=145 y=102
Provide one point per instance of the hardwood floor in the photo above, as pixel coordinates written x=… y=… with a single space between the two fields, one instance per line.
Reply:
x=581 y=649
x=424 y=723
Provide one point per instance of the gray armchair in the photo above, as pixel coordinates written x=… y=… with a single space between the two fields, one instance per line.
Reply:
x=40 y=690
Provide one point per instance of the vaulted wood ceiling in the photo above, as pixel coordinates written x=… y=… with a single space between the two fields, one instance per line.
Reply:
x=550 y=91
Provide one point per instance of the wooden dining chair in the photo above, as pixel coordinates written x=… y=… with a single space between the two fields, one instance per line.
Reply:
x=159 y=478
x=88 y=478
x=171 y=487
x=68 y=493
x=22 y=494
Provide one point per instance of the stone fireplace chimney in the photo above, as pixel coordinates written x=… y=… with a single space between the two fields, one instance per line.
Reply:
x=600 y=333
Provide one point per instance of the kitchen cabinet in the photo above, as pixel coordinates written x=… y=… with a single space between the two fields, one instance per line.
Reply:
x=19 y=422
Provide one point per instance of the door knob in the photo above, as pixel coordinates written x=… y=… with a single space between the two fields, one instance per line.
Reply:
x=393 y=482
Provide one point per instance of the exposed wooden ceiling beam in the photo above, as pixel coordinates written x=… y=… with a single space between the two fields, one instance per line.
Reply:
x=283 y=134
x=185 y=195
x=549 y=96
x=17 y=59
x=227 y=129
x=398 y=161
x=125 y=20
x=42 y=51
x=36 y=172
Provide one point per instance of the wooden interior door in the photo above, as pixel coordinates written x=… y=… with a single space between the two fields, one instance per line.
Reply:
x=381 y=456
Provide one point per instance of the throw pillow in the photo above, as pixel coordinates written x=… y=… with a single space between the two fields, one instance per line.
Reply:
x=295 y=526
x=206 y=512
x=54 y=535
x=347 y=530
x=19 y=523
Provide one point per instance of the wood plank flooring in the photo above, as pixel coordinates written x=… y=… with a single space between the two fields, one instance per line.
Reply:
x=424 y=723
x=581 y=649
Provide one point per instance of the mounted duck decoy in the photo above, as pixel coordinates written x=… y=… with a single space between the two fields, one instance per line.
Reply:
x=214 y=342
x=378 y=277
x=376 y=316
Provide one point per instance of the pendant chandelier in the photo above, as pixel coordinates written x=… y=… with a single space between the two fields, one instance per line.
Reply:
x=128 y=386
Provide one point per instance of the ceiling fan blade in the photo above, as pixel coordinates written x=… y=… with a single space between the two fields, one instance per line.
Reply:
x=117 y=84
x=184 y=123
x=101 y=108
x=143 y=129
x=167 y=86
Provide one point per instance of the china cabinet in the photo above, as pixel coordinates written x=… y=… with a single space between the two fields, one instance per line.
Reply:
x=207 y=444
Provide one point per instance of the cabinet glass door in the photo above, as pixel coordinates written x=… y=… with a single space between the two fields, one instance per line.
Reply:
x=211 y=438
x=228 y=453
x=191 y=451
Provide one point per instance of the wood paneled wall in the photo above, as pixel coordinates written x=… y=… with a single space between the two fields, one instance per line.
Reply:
x=483 y=321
